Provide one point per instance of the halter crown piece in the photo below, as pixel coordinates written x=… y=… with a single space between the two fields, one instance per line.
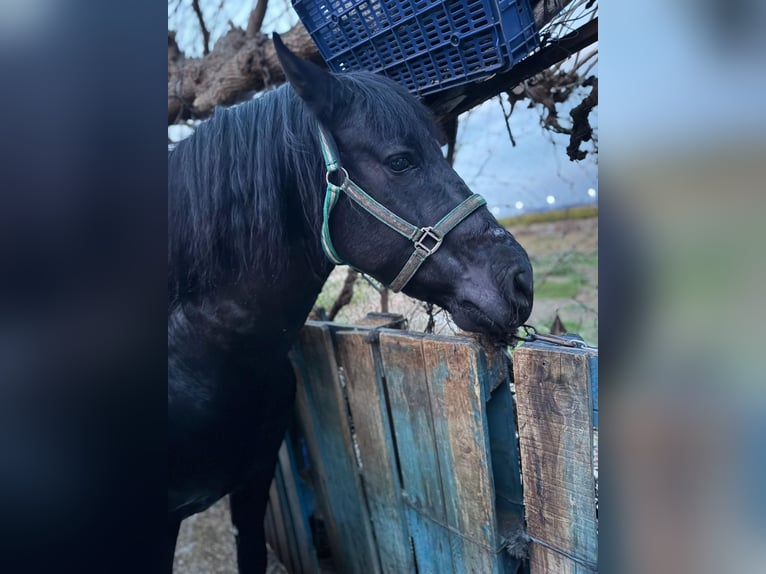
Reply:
x=426 y=240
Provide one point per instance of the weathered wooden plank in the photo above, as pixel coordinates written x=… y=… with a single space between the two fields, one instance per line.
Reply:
x=281 y=549
x=306 y=553
x=458 y=409
x=593 y=367
x=270 y=528
x=372 y=429
x=504 y=456
x=324 y=419
x=410 y=402
x=503 y=446
x=292 y=559
x=381 y=320
x=545 y=560
x=555 y=414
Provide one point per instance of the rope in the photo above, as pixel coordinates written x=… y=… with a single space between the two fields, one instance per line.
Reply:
x=592 y=566
x=453 y=530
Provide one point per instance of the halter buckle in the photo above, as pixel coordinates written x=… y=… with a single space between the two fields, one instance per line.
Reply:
x=339 y=170
x=428 y=233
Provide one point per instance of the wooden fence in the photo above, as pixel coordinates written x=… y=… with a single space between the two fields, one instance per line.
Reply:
x=404 y=456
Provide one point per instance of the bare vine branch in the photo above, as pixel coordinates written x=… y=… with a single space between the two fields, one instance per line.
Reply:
x=345 y=295
x=507 y=117
x=581 y=128
x=255 y=22
x=203 y=27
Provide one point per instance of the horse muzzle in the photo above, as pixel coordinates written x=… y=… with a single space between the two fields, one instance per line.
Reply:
x=497 y=299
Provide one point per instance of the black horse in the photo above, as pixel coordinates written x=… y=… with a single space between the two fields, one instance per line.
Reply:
x=246 y=206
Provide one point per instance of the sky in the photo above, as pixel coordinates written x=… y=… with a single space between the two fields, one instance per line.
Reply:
x=534 y=175
x=536 y=168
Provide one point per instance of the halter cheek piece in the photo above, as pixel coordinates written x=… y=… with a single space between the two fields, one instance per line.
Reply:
x=426 y=240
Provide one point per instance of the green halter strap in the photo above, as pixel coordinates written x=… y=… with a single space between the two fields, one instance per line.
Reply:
x=426 y=240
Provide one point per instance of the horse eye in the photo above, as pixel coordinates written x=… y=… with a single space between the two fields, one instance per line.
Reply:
x=399 y=163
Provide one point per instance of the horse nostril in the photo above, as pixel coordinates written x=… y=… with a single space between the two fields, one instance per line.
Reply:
x=522 y=282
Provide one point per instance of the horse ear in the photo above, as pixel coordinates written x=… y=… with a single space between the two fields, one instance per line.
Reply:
x=319 y=89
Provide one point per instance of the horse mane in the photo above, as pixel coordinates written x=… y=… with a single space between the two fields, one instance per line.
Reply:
x=253 y=174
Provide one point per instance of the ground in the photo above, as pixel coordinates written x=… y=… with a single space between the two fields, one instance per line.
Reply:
x=564 y=257
x=206 y=544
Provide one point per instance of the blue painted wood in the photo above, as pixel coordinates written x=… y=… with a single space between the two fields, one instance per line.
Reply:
x=593 y=368
x=374 y=440
x=292 y=559
x=503 y=445
x=323 y=414
x=458 y=400
x=408 y=392
x=439 y=477
x=281 y=548
x=304 y=560
x=504 y=456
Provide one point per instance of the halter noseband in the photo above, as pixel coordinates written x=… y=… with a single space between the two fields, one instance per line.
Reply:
x=426 y=240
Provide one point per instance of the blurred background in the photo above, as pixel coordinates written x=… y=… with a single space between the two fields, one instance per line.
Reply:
x=683 y=144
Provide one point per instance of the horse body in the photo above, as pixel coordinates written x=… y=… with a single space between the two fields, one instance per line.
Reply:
x=246 y=264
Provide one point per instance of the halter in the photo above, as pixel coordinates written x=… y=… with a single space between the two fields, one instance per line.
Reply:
x=426 y=240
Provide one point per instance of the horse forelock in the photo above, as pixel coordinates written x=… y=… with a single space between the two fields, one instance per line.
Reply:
x=388 y=109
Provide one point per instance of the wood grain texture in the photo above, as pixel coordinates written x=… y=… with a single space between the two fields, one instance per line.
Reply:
x=408 y=393
x=555 y=416
x=402 y=430
x=324 y=419
x=459 y=417
x=372 y=430
x=381 y=320
x=292 y=558
x=281 y=549
x=306 y=556
x=302 y=556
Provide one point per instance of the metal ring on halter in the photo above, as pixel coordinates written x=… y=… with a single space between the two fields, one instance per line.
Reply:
x=336 y=170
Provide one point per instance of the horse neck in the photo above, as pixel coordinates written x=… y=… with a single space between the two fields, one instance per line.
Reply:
x=254 y=316
x=268 y=303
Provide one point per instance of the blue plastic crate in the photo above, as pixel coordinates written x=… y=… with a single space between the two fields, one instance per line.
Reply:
x=425 y=45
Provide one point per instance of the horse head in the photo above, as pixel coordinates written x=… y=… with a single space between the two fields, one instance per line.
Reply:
x=423 y=232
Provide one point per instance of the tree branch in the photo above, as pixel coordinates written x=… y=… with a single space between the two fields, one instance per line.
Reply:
x=255 y=22
x=450 y=130
x=507 y=116
x=462 y=98
x=581 y=128
x=237 y=67
x=205 y=33
x=345 y=295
